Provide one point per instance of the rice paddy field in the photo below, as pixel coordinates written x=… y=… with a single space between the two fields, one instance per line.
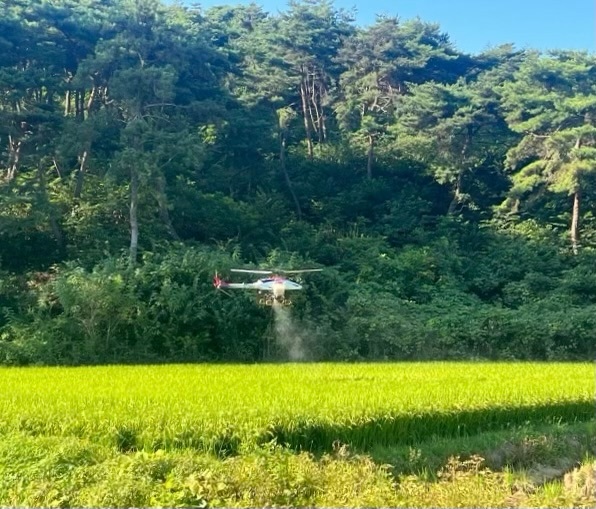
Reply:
x=297 y=434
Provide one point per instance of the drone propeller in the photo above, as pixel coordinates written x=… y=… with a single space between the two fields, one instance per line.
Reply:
x=249 y=271
x=278 y=271
x=218 y=282
x=299 y=271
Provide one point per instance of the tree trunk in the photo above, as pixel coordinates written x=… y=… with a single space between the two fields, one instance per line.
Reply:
x=81 y=174
x=77 y=104
x=575 y=214
x=80 y=103
x=134 y=223
x=314 y=121
x=305 y=115
x=87 y=147
x=313 y=107
x=162 y=202
x=45 y=204
x=575 y=222
x=456 y=200
x=14 y=156
x=67 y=103
x=457 y=194
x=91 y=99
x=284 y=170
x=370 y=158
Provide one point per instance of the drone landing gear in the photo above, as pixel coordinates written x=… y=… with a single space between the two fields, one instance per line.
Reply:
x=270 y=301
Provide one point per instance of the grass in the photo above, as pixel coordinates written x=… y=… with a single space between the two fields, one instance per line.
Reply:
x=520 y=448
x=73 y=472
x=415 y=434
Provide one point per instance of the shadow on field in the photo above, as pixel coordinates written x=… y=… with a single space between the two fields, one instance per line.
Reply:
x=409 y=429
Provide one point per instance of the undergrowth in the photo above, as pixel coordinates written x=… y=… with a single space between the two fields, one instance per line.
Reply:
x=75 y=472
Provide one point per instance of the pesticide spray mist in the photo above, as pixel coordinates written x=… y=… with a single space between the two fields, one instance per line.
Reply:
x=288 y=334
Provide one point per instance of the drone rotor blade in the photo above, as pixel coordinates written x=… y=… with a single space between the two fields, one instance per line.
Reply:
x=300 y=271
x=249 y=271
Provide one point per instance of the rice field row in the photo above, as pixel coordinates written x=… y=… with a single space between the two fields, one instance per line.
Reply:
x=229 y=408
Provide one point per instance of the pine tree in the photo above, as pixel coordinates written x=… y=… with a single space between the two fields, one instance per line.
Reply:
x=552 y=104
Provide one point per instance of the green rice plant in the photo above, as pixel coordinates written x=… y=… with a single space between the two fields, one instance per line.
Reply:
x=225 y=409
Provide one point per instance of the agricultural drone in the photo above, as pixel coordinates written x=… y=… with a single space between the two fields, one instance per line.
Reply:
x=270 y=290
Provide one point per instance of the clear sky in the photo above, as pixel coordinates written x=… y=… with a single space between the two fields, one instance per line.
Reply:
x=474 y=25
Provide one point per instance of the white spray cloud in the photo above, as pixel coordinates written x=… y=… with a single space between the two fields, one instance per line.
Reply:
x=289 y=334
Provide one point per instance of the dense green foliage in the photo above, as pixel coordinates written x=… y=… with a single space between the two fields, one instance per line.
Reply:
x=73 y=472
x=145 y=146
x=296 y=435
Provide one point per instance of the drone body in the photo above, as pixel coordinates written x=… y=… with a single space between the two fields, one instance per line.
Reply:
x=271 y=289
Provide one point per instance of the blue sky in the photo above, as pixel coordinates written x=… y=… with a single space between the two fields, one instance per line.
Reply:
x=474 y=25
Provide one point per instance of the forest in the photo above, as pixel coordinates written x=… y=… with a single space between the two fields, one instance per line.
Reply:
x=146 y=146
